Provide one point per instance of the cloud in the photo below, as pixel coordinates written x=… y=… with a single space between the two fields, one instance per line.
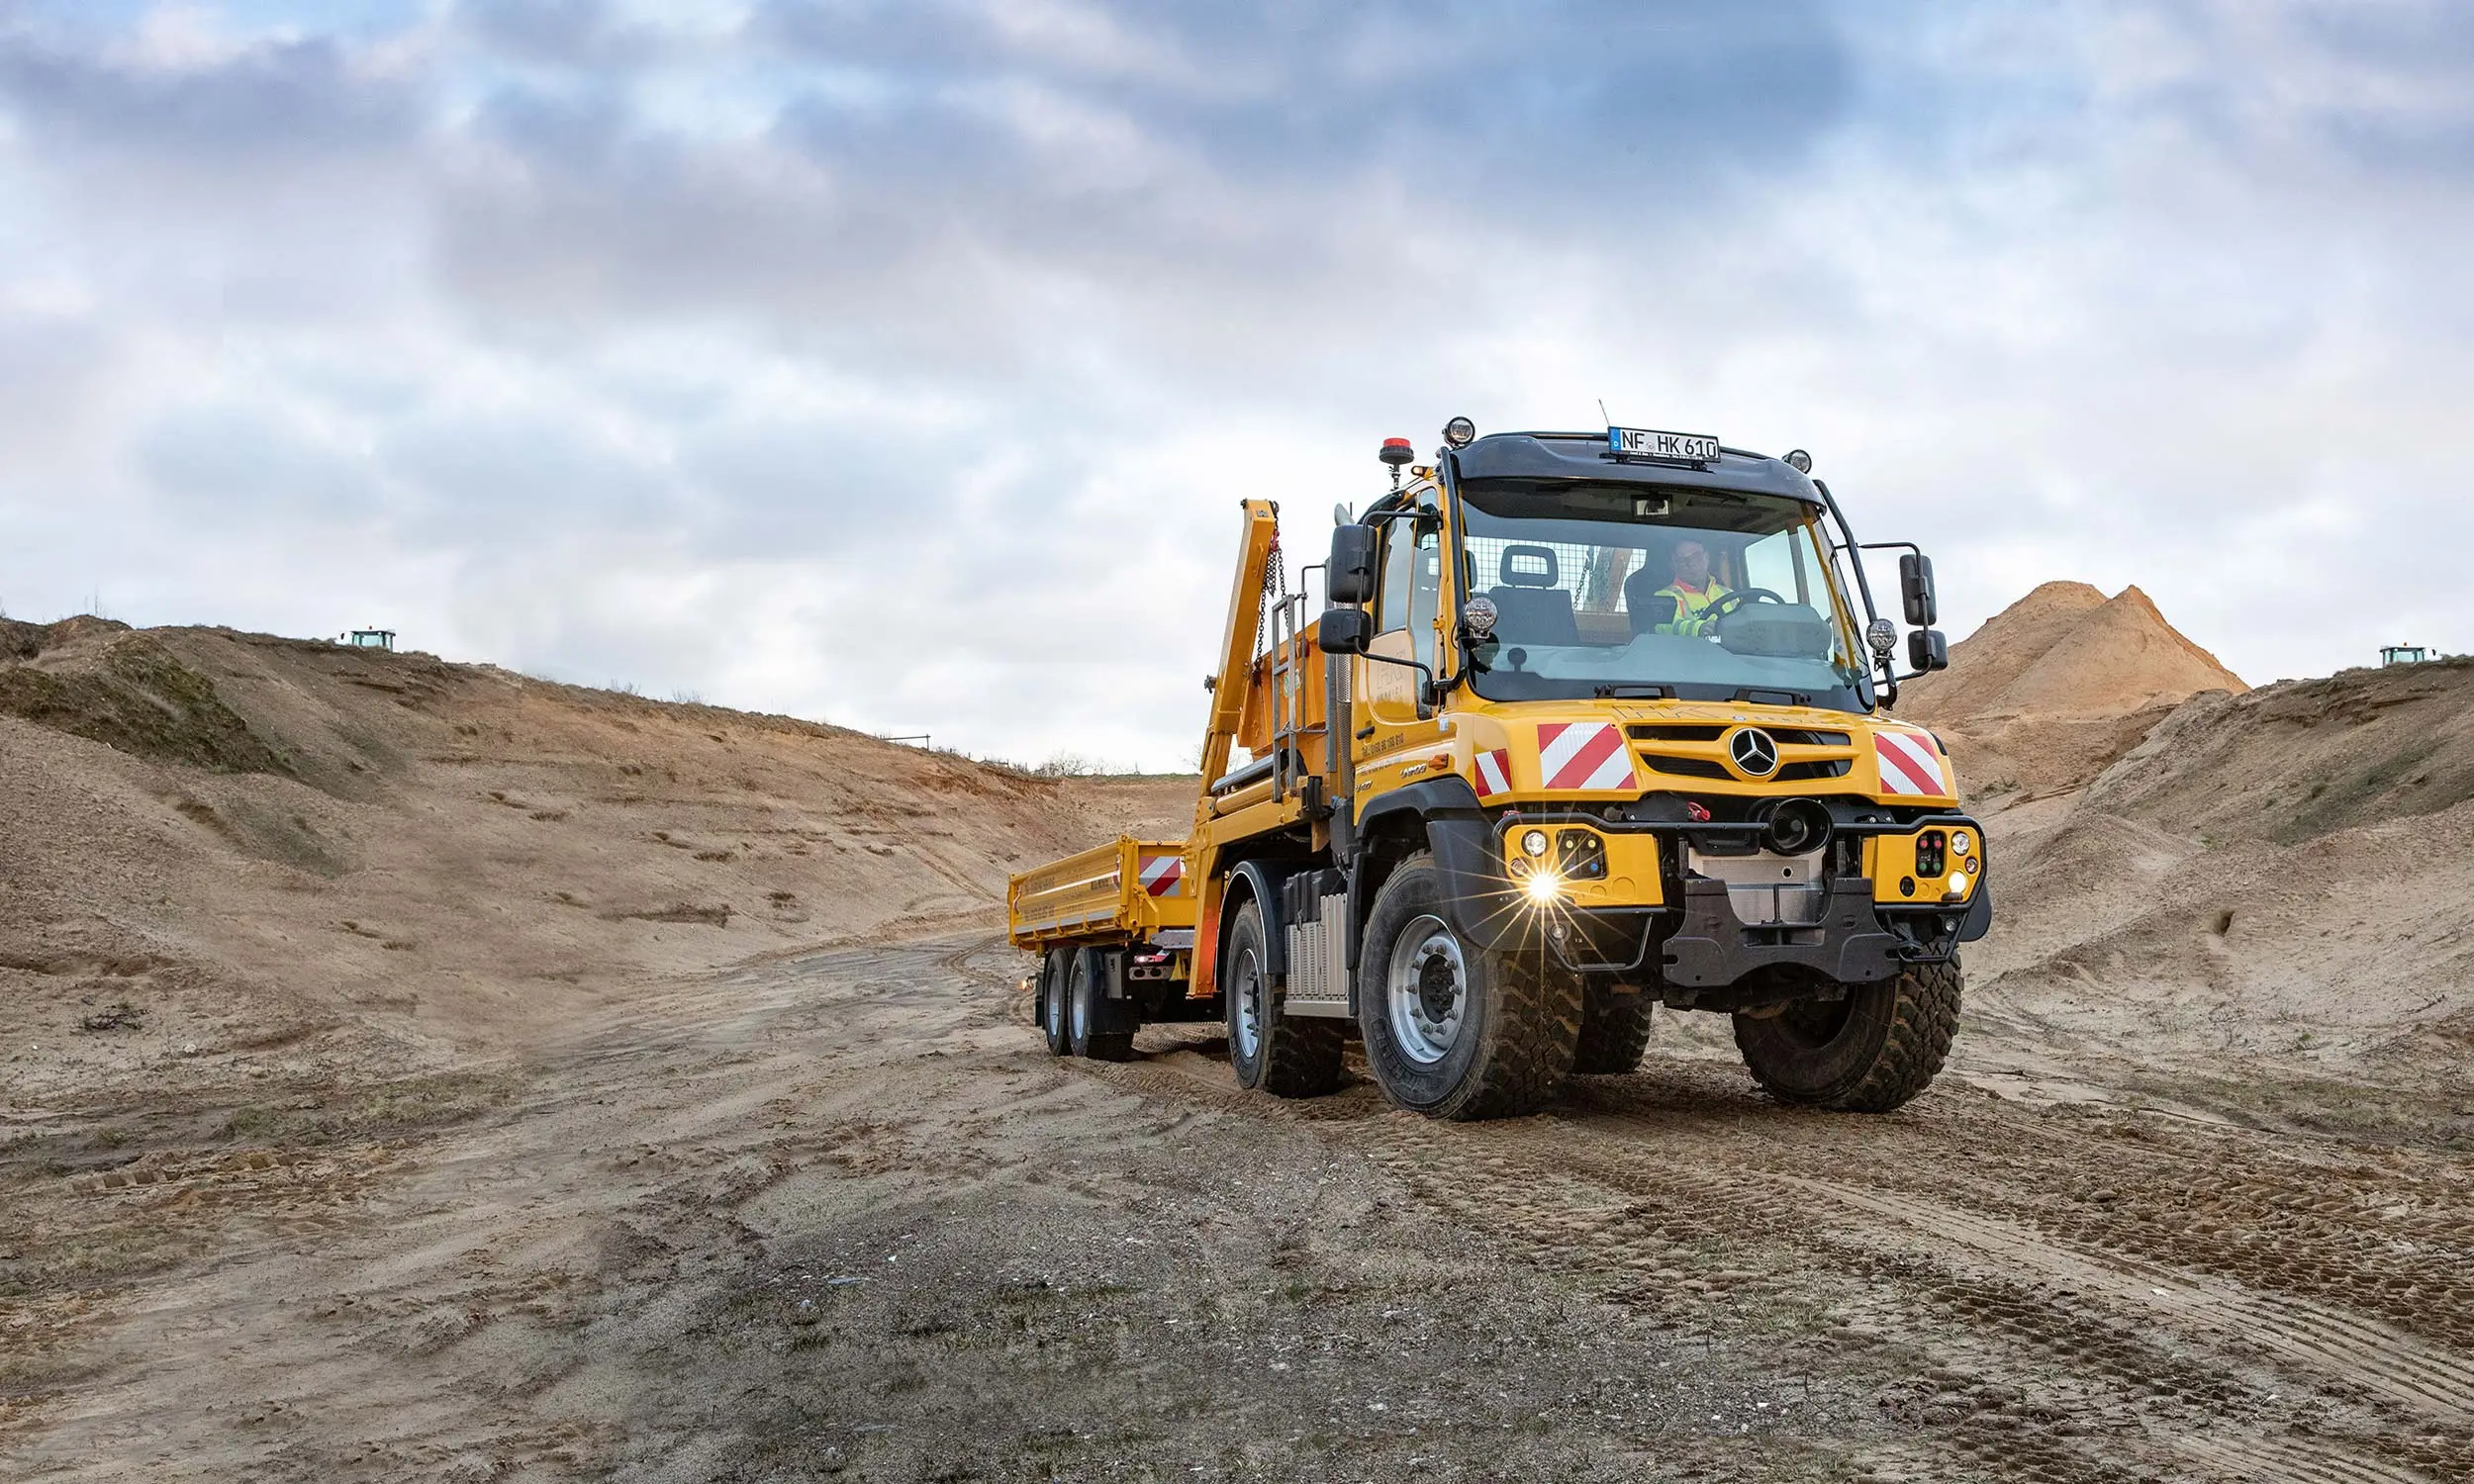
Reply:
x=902 y=362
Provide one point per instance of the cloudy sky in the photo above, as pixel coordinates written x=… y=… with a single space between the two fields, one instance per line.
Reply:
x=901 y=364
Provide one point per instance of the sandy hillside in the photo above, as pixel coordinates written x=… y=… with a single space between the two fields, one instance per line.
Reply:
x=226 y=847
x=2237 y=899
x=2056 y=684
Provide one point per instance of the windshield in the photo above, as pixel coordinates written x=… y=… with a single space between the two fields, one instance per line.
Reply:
x=1704 y=595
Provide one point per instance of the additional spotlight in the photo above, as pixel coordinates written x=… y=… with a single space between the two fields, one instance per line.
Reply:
x=1800 y=461
x=1480 y=615
x=1542 y=887
x=1534 y=843
x=1459 y=433
x=1882 y=635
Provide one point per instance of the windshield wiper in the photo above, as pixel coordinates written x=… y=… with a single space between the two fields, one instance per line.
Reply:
x=1793 y=698
x=1632 y=691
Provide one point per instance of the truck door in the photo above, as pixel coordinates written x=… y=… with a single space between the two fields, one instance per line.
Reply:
x=1406 y=594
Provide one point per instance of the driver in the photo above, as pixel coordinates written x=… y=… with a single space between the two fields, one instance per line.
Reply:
x=1693 y=590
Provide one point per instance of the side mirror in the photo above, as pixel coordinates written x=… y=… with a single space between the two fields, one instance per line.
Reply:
x=1915 y=589
x=1350 y=578
x=1927 y=650
x=1344 y=629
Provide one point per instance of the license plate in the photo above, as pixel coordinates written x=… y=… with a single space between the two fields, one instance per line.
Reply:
x=1647 y=443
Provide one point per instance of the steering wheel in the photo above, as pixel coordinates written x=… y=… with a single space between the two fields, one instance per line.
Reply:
x=1729 y=602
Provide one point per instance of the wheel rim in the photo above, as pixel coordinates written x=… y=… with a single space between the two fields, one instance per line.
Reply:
x=1426 y=990
x=1249 y=992
x=1055 y=1007
x=1080 y=1010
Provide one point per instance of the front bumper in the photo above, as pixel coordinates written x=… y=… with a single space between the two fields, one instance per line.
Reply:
x=1685 y=930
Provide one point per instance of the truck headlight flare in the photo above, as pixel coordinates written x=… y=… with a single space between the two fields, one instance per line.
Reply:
x=1958 y=884
x=1542 y=887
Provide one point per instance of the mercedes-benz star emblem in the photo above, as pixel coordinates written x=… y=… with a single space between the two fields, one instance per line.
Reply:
x=1755 y=756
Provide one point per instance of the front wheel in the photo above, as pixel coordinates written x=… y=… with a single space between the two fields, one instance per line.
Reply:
x=1614 y=1030
x=1451 y=1030
x=1867 y=1051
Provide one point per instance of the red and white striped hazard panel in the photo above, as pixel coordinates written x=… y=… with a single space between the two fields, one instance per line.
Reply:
x=1163 y=875
x=1494 y=772
x=1583 y=755
x=1909 y=765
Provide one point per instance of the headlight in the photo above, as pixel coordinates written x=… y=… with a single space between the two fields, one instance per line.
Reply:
x=1961 y=844
x=1543 y=887
x=1534 y=843
x=1958 y=884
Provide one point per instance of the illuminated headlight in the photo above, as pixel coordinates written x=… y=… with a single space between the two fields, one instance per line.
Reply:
x=1543 y=887
x=1958 y=884
x=1534 y=843
x=1963 y=844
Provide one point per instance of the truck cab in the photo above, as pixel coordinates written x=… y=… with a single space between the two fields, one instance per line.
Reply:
x=1586 y=725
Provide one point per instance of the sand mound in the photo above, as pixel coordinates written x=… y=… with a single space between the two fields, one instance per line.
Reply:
x=2056 y=685
x=218 y=841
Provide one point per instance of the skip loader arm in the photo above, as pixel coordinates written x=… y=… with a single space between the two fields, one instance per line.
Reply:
x=1236 y=666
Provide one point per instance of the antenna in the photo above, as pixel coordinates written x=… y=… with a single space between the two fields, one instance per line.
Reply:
x=1603 y=412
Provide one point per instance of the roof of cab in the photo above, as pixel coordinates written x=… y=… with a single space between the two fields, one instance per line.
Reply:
x=1580 y=456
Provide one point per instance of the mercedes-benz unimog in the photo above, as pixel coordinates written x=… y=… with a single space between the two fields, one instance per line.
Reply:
x=1591 y=723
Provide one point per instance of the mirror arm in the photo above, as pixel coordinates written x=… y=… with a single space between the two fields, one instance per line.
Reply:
x=1421 y=668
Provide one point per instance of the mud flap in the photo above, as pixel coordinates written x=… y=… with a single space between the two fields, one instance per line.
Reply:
x=1980 y=920
x=1485 y=907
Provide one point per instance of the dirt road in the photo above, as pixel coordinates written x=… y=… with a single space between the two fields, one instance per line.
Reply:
x=839 y=1215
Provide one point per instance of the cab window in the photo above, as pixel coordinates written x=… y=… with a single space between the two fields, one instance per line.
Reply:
x=1412 y=584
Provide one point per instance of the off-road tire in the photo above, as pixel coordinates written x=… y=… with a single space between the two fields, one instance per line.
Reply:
x=1614 y=1032
x=1050 y=1005
x=1525 y=1014
x=1294 y=1057
x=1086 y=1006
x=1886 y=1048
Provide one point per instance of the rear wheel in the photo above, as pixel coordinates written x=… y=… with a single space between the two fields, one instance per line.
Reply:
x=1868 y=1052
x=1287 y=1057
x=1054 y=971
x=1088 y=1011
x=1452 y=1031
x=1614 y=1030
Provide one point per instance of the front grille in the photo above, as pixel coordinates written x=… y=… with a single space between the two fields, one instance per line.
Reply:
x=1796 y=773
x=1671 y=732
x=1687 y=767
x=1799 y=737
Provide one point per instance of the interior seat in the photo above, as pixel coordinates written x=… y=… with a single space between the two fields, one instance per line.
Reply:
x=1647 y=605
x=1529 y=607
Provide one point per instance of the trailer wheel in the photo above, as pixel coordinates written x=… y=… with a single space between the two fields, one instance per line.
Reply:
x=1285 y=1056
x=1614 y=1030
x=1053 y=971
x=1450 y=1030
x=1087 y=1008
x=1868 y=1053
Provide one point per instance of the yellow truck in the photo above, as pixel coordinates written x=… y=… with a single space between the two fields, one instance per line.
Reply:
x=1586 y=724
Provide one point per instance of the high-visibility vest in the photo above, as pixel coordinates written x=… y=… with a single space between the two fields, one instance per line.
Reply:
x=1688 y=604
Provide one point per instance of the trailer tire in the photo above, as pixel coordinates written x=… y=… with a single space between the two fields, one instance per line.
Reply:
x=1086 y=1010
x=1869 y=1052
x=1614 y=1030
x=1285 y=1056
x=1465 y=1032
x=1053 y=971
